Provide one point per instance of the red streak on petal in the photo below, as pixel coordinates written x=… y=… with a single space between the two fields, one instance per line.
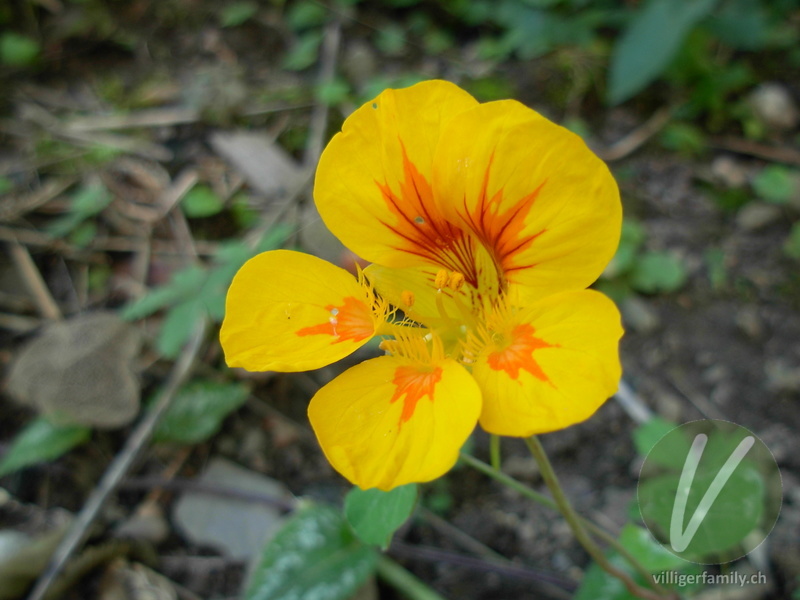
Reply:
x=351 y=321
x=518 y=355
x=503 y=233
x=415 y=385
x=423 y=232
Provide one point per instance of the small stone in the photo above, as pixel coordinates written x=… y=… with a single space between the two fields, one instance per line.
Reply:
x=639 y=315
x=782 y=376
x=757 y=215
x=728 y=172
x=750 y=323
x=774 y=106
x=147 y=523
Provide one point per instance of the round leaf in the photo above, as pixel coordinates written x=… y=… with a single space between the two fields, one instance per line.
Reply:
x=314 y=556
x=376 y=515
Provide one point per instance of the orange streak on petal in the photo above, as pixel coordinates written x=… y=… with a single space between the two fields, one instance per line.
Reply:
x=350 y=321
x=503 y=233
x=422 y=231
x=518 y=355
x=415 y=385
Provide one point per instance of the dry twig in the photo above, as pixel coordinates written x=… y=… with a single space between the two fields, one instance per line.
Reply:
x=635 y=139
x=120 y=466
x=44 y=301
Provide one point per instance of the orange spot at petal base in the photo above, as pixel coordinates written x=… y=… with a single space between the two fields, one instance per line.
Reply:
x=351 y=321
x=414 y=385
x=518 y=355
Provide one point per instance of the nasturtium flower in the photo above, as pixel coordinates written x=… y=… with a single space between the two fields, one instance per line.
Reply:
x=484 y=224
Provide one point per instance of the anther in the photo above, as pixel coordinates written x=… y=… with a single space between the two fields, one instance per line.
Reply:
x=407 y=297
x=455 y=281
x=441 y=279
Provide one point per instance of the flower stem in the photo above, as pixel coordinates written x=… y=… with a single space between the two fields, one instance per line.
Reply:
x=597 y=531
x=579 y=528
x=494 y=451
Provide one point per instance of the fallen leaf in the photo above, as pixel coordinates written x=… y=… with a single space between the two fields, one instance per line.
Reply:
x=239 y=528
x=267 y=167
x=80 y=371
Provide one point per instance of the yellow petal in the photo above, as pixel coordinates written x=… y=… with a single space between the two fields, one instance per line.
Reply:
x=389 y=421
x=289 y=311
x=372 y=186
x=543 y=204
x=552 y=366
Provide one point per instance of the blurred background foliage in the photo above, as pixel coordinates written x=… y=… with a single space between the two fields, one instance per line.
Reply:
x=109 y=160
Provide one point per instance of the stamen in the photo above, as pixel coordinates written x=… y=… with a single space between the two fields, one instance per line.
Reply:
x=455 y=281
x=407 y=297
x=441 y=279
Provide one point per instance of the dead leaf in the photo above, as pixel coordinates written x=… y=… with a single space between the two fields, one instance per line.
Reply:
x=80 y=371
x=267 y=167
x=28 y=537
x=125 y=581
x=238 y=528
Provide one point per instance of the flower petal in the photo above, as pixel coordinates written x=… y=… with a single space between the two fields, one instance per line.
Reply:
x=289 y=311
x=387 y=421
x=372 y=186
x=543 y=204
x=558 y=363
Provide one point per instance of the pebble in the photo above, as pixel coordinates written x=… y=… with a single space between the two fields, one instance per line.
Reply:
x=757 y=215
x=749 y=322
x=774 y=106
x=639 y=316
x=782 y=376
x=728 y=172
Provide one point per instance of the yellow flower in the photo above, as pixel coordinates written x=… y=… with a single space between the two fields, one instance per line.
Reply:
x=484 y=224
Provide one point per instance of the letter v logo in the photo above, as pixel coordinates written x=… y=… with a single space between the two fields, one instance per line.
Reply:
x=678 y=537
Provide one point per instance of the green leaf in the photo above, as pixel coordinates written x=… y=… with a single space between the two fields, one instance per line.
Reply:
x=85 y=203
x=650 y=43
x=652 y=555
x=630 y=241
x=658 y=272
x=333 y=92
x=305 y=15
x=5 y=185
x=736 y=511
x=315 y=556
x=792 y=244
x=201 y=201
x=717 y=269
x=391 y=40
x=777 y=184
x=237 y=13
x=376 y=515
x=183 y=285
x=599 y=585
x=742 y=24
x=18 y=50
x=197 y=411
x=647 y=434
x=304 y=52
x=41 y=441
x=178 y=326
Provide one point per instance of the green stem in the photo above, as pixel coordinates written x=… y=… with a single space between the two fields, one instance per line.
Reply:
x=494 y=451
x=579 y=529
x=403 y=581
x=597 y=531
